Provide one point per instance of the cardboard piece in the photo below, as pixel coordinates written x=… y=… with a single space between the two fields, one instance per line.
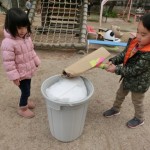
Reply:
x=90 y=61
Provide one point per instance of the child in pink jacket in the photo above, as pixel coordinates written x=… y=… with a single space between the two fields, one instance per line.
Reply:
x=19 y=58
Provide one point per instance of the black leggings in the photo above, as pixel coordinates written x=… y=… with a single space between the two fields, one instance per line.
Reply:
x=25 y=86
x=28 y=11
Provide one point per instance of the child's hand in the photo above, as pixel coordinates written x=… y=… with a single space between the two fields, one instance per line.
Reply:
x=109 y=63
x=111 y=68
x=17 y=82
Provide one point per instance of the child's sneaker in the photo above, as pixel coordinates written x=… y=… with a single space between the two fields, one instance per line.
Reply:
x=31 y=104
x=25 y=112
x=133 y=123
x=111 y=112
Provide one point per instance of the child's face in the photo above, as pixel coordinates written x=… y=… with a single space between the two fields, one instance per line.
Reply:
x=143 y=35
x=22 y=31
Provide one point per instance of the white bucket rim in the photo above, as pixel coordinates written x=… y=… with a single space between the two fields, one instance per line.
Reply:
x=67 y=103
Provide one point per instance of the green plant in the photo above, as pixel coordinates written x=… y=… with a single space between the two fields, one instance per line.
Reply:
x=112 y=14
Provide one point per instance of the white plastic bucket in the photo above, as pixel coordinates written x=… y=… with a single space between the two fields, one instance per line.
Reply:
x=66 y=119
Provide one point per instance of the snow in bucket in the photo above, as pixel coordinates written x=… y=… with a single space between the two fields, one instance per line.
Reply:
x=67 y=90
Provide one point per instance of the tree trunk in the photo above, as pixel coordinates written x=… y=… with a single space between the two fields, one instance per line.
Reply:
x=14 y=3
x=18 y=3
x=111 y=6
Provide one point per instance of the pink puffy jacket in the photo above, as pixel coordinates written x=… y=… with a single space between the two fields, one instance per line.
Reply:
x=19 y=58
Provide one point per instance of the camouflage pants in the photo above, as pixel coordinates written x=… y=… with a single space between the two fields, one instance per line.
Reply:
x=137 y=100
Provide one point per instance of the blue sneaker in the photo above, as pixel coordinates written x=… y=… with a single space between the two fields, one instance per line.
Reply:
x=133 y=123
x=111 y=112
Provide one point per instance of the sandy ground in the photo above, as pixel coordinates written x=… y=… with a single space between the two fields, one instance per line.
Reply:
x=99 y=133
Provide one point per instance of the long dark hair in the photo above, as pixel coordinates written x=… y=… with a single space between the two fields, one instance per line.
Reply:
x=15 y=18
x=146 y=21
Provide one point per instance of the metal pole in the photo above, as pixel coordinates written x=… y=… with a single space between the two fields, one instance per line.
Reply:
x=101 y=12
x=129 y=10
x=18 y=3
x=10 y=3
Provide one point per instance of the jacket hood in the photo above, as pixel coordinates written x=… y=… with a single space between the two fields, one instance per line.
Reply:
x=131 y=45
x=8 y=35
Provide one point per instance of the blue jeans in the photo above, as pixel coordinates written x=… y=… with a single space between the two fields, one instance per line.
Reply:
x=25 y=86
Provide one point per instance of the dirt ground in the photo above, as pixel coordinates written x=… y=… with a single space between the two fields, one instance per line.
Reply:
x=99 y=133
